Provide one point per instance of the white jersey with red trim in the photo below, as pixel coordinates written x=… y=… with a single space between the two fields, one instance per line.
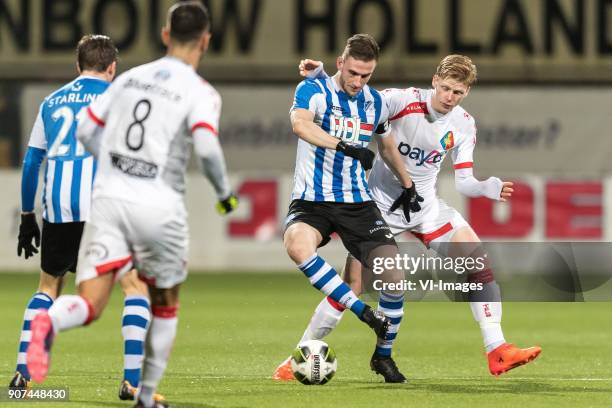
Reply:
x=423 y=137
x=147 y=115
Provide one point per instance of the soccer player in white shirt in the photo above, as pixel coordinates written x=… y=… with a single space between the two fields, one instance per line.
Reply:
x=66 y=198
x=140 y=130
x=428 y=124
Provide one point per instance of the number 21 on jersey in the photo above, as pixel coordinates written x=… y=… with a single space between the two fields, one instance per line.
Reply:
x=62 y=144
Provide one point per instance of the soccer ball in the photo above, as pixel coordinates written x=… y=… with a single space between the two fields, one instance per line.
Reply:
x=313 y=362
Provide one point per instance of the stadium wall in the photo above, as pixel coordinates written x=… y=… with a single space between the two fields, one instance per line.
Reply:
x=542 y=130
x=543 y=209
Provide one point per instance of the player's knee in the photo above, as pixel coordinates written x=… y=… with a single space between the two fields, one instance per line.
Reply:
x=95 y=309
x=298 y=249
x=301 y=241
x=382 y=260
x=481 y=276
x=298 y=252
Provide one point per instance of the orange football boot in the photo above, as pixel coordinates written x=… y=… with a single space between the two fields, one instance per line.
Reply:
x=508 y=356
x=284 y=372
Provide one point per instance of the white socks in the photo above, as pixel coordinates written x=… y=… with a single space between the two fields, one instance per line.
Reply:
x=160 y=338
x=488 y=315
x=324 y=319
x=70 y=311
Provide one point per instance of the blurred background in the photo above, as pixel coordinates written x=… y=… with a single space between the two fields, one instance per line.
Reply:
x=542 y=104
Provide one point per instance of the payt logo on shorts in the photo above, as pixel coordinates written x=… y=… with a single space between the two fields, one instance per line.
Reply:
x=419 y=155
x=448 y=140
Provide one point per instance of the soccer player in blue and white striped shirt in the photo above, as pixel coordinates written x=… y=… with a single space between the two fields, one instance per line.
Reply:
x=66 y=198
x=335 y=119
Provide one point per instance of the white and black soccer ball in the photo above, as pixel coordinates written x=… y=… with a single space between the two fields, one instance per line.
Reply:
x=313 y=362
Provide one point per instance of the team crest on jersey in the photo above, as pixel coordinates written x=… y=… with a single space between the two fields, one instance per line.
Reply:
x=76 y=87
x=448 y=140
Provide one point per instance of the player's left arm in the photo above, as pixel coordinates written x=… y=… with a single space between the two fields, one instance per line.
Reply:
x=208 y=149
x=492 y=188
x=385 y=139
x=312 y=69
x=409 y=199
x=203 y=120
x=465 y=182
x=388 y=152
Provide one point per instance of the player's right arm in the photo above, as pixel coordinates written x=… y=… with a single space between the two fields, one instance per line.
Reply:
x=307 y=98
x=302 y=122
x=91 y=120
x=35 y=154
x=308 y=102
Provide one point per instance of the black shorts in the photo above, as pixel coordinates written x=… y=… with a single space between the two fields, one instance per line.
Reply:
x=360 y=225
x=60 y=247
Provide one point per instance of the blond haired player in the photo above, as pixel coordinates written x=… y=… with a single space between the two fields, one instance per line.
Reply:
x=140 y=130
x=428 y=125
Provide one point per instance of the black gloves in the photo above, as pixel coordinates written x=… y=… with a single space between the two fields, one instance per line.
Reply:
x=363 y=154
x=409 y=200
x=28 y=230
x=227 y=205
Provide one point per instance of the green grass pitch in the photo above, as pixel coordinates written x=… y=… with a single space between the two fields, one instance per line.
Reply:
x=236 y=327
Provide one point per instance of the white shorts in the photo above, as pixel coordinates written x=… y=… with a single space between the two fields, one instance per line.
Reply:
x=121 y=235
x=438 y=221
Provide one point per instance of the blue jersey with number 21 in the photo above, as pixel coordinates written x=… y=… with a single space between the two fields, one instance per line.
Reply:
x=70 y=168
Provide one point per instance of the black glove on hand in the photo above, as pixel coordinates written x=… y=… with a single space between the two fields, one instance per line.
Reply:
x=363 y=154
x=28 y=230
x=227 y=205
x=409 y=200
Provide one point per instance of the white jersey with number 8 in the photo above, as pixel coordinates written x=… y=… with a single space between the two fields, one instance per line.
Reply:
x=138 y=215
x=148 y=115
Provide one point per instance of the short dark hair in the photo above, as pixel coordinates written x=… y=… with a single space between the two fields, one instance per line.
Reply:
x=96 y=52
x=187 y=21
x=362 y=47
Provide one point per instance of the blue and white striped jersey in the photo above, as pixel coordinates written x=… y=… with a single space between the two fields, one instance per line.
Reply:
x=70 y=168
x=326 y=174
